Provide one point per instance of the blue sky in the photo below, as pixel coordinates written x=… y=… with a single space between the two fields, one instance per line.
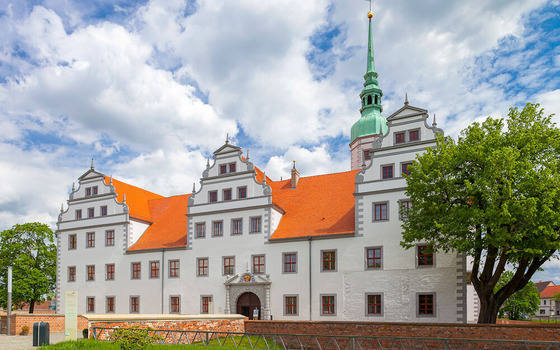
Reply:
x=149 y=89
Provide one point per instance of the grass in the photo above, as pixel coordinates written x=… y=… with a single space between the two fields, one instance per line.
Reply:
x=87 y=344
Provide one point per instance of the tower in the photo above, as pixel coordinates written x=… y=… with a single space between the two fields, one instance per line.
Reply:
x=371 y=123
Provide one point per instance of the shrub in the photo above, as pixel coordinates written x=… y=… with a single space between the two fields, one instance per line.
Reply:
x=24 y=330
x=133 y=338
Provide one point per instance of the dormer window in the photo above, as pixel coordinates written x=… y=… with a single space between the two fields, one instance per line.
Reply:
x=414 y=135
x=367 y=154
x=399 y=137
x=88 y=191
x=232 y=168
x=223 y=169
x=79 y=214
x=213 y=196
x=94 y=191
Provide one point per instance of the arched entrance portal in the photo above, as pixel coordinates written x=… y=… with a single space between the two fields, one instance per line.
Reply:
x=247 y=303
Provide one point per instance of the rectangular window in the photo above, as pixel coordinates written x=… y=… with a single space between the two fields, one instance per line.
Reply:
x=104 y=210
x=425 y=304
x=175 y=304
x=90 y=239
x=367 y=154
x=223 y=169
x=202 y=267
x=374 y=306
x=110 y=272
x=399 y=137
x=90 y=272
x=217 y=228
x=78 y=214
x=258 y=264
x=88 y=191
x=329 y=260
x=110 y=304
x=205 y=304
x=414 y=135
x=213 y=196
x=154 y=269
x=173 y=268
x=404 y=209
x=201 y=230
x=236 y=226
x=543 y=312
x=94 y=190
x=232 y=168
x=256 y=224
x=136 y=270
x=71 y=273
x=289 y=262
x=72 y=241
x=380 y=212
x=90 y=302
x=110 y=238
x=373 y=258
x=425 y=255
x=134 y=304
x=387 y=172
x=328 y=305
x=90 y=212
x=227 y=194
x=242 y=192
x=405 y=168
x=229 y=265
x=291 y=305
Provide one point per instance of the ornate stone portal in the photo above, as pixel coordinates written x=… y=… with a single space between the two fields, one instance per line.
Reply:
x=248 y=282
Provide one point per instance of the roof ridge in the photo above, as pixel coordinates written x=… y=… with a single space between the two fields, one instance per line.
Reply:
x=319 y=175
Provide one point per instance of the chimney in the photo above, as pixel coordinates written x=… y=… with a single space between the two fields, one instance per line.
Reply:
x=295 y=176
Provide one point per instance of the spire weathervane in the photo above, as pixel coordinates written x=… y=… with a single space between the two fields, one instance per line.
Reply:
x=369 y=4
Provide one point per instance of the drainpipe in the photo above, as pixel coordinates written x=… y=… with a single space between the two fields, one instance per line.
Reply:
x=162 y=276
x=310 y=289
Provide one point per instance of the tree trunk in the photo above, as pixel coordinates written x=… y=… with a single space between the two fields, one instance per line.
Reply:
x=31 y=306
x=488 y=313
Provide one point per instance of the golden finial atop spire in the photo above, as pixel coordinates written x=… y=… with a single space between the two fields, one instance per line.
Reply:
x=370 y=14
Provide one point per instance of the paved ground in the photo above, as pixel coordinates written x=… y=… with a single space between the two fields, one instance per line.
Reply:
x=25 y=342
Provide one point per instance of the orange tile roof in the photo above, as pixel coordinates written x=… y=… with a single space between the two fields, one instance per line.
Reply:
x=136 y=198
x=541 y=285
x=319 y=205
x=549 y=292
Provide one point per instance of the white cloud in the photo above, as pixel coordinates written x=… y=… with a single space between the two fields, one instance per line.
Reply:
x=550 y=101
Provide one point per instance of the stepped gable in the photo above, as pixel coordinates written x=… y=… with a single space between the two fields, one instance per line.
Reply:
x=136 y=199
x=319 y=205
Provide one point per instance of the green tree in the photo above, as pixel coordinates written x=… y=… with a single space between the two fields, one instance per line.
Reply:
x=520 y=304
x=493 y=195
x=30 y=250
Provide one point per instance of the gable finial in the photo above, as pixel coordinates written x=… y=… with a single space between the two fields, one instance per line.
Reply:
x=380 y=128
x=124 y=198
x=193 y=187
x=264 y=178
x=207 y=162
x=73 y=186
x=111 y=180
x=294 y=164
x=247 y=154
x=406 y=99
x=363 y=164
x=434 y=123
x=62 y=208
x=227 y=138
x=91 y=163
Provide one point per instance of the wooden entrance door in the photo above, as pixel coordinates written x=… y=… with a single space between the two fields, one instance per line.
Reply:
x=247 y=303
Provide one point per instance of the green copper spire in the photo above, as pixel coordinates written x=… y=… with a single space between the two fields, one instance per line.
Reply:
x=371 y=122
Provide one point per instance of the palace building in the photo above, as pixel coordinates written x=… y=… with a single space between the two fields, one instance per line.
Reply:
x=321 y=247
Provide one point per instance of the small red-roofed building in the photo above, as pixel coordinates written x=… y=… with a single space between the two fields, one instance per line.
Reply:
x=549 y=307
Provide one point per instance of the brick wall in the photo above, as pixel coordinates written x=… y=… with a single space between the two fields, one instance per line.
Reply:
x=56 y=322
x=537 y=332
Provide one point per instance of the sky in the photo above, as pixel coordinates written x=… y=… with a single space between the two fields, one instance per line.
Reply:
x=149 y=89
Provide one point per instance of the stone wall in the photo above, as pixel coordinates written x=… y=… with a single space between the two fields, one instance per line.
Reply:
x=56 y=322
x=536 y=332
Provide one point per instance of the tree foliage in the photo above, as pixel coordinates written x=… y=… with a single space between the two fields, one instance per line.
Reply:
x=494 y=195
x=30 y=250
x=521 y=304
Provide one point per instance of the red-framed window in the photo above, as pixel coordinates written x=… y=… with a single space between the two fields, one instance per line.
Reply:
x=90 y=302
x=206 y=304
x=291 y=305
x=213 y=196
x=110 y=304
x=373 y=258
x=380 y=212
x=136 y=270
x=414 y=135
x=387 y=172
x=229 y=265
x=367 y=154
x=94 y=190
x=232 y=168
x=329 y=260
x=154 y=269
x=72 y=241
x=173 y=268
x=256 y=224
x=328 y=306
x=201 y=230
x=104 y=210
x=290 y=262
x=110 y=238
x=91 y=239
x=90 y=272
x=425 y=304
x=90 y=212
x=242 y=192
x=202 y=267
x=374 y=304
x=425 y=255
x=110 y=272
x=258 y=264
x=404 y=208
x=223 y=169
x=88 y=191
x=134 y=304
x=237 y=226
x=405 y=168
x=227 y=194
x=217 y=228
x=399 y=137
x=175 y=305
x=78 y=214
x=71 y=273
